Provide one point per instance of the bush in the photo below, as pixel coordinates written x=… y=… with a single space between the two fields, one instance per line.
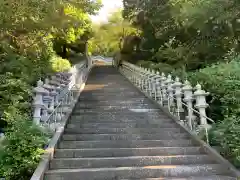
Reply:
x=145 y=64
x=226 y=136
x=59 y=64
x=161 y=67
x=23 y=145
x=223 y=82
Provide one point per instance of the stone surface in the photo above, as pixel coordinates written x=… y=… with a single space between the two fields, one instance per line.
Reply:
x=115 y=133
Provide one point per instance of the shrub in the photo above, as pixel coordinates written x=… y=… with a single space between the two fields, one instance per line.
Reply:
x=162 y=67
x=223 y=82
x=23 y=145
x=144 y=63
x=59 y=64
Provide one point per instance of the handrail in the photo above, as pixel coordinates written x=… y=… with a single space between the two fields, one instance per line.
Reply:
x=51 y=103
x=70 y=84
x=197 y=112
x=178 y=97
x=58 y=112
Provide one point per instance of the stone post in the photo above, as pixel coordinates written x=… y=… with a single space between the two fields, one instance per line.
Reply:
x=49 y=88
x=170 y=90
x=164 y=89
x=150 y=82
x=188 y=98
x=138 y=77
x=177 y=85
x=158 y=88
x=38 y=102
x=155 y=85
x=143 y=74
x=201 y=105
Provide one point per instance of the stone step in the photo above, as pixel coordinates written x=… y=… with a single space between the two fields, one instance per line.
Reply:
x=125 y=144
x=105 y=130
x=123 y=125
x=137 y=113
x=131 y=161
x=164 y=171
x=131 y=113
x=129 y=101
x=112 y=89
x=113 y=119
x=110 y=119
x=108 y=93
x=213 y=177
x=116 y=111
x=123 y=152
x=144 y=119
x=113 y=98
x=143 y=136
x=116 y=106
x=110 y=103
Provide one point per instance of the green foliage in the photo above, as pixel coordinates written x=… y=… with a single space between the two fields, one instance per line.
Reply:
x=223 y=82
x=225 y=135
x=60 y=65
x=108 y=37
x=191 y=33
x=22 y=147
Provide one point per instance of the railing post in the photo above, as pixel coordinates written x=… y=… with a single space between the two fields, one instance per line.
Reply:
x=164 y=89
x=169 y=82
x=159 y=90
x=50 y=89
x=145 y=75
x=138 y=77
x=188 y=98
x=155 y=85
x=177 y=85
x=143 y=79
x=201 y=105
x=171 y=93
x=146 y=84
x=150 y=82
x=38 y=102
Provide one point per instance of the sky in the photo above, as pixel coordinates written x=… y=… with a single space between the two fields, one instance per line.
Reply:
x=108 y=7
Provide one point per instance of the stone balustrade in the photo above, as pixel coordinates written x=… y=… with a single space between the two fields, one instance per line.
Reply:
x=55 y=95
x=186 y=103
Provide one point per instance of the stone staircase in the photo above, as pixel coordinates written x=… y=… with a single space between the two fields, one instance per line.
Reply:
x=116 y=133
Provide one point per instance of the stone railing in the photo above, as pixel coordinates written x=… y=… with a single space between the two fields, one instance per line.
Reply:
x=55 y=96
x=187 y=104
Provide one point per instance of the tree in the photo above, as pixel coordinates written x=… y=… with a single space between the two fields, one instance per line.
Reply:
x=202 y=31
x=109 y=37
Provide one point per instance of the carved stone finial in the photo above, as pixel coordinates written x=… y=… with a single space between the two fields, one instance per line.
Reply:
x=177 y=79
x=187 y=82
x=46 y=81
x=198 y=87
x=39 y=83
